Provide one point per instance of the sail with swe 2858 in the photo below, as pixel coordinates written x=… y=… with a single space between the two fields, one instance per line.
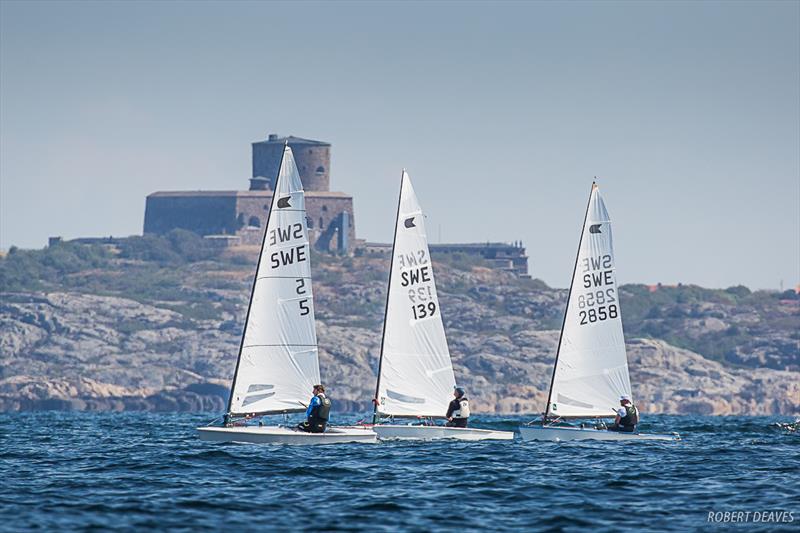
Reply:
x=278 y=362
x=416 y=374
x=591 y=370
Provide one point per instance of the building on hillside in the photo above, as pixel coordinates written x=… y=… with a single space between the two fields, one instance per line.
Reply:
x=240 y=216
x=499 y=255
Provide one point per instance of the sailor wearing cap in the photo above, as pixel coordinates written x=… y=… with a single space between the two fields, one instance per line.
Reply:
x=627 y=416
x=458 y=410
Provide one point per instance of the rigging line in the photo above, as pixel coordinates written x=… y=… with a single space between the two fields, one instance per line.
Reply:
x=388 y=292
x=569 y=297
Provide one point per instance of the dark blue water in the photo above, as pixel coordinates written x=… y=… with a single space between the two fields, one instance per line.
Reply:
x=137 y=471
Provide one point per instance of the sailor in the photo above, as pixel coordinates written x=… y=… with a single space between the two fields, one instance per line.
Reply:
x=458 y=410
x=627 y=416
x=318 y=412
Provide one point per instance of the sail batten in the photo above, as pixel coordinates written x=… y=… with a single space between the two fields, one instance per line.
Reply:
x=278 y=361
x=415 y=376
x=591 y=369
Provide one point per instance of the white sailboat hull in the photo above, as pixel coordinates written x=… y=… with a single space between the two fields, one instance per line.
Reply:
x=559 y=434
x=284 y=435
x=394 y=432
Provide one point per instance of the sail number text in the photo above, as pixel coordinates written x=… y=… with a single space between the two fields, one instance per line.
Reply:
x=289 y=256
x=419 y=282
x=301 y=290
x=598 y=301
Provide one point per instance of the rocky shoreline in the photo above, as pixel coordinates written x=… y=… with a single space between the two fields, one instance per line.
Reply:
x=78 y=351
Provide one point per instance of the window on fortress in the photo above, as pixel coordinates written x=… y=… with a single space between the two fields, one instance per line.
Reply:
x=321 y=225
x=254 y=222
x=310 y=222
x=320 y=171
x=324 y=208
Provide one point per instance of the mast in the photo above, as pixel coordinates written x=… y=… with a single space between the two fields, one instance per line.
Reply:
x=569 y=297
x=255 y=276
x=388 y=292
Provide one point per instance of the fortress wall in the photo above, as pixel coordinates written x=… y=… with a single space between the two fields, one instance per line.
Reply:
x=203 y=214
x=253 y=209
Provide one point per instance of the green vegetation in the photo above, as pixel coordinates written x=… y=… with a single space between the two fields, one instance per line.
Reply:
x=148 y=269
x=722 y=324
x=38 y=269
x=176 y=248
x=189 y=275
x=460 y=261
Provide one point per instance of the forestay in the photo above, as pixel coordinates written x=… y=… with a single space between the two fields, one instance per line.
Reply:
x=591 y=371
x=416 y=374
x=278 y=362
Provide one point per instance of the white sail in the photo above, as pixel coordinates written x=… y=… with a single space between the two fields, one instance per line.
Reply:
x=278 y=364
x=416 y=374
x=591 y=371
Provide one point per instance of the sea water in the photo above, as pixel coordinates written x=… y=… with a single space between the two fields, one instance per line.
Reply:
x=138 y=471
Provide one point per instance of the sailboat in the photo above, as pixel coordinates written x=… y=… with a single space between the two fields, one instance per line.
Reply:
x=590 y=374
x=415 y=374
x=278 y=362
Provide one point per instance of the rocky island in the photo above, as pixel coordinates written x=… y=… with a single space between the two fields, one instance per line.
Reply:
x=154 y=322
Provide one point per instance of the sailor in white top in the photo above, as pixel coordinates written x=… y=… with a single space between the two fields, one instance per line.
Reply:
x=627 y=416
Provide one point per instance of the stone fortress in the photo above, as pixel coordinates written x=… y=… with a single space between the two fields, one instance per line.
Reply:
x=238 y=217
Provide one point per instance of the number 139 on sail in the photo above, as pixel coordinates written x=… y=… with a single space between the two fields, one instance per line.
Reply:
x=423 y=310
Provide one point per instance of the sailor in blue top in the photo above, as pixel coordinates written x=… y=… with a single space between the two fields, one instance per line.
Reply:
x=318 y=412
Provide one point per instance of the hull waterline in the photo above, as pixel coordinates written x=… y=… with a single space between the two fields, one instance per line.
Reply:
x=392 y=432
x=560 y=434
x=284 y=435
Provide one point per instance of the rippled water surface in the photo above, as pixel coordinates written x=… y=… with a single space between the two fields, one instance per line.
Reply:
x=138 y=471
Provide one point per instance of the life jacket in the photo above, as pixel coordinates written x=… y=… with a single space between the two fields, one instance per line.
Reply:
x=631 y=417
x=323 y=410
x=463 y=408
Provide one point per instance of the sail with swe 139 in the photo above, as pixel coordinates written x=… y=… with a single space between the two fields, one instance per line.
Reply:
x=416 y=374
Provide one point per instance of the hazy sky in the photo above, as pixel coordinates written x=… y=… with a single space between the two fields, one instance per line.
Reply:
x=689 y=114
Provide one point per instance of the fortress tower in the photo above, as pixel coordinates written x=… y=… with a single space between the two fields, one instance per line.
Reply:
x=313 y=160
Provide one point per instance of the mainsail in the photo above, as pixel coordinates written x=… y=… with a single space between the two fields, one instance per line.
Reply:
x=278 y=362
x=415 y=377
x=591 y=369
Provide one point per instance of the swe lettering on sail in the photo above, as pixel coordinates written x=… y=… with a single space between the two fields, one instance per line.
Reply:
x=419 y=280
x=291 y=255
x=598 y=303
